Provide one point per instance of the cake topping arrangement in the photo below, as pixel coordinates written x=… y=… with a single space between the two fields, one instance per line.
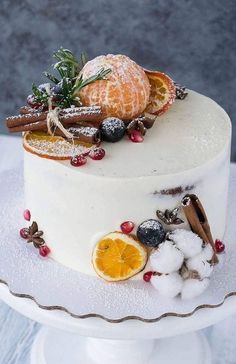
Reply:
x=105 y=99
x=181 y=260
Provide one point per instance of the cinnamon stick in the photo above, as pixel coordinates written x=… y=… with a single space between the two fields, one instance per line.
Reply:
x=67 y=119
x=198 y=221
x=28 y=110
x=25 y=119
x=86 y=134
x=93 y=114
x=42 y=125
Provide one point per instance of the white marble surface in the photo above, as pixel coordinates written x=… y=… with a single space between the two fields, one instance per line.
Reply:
x=17 y=332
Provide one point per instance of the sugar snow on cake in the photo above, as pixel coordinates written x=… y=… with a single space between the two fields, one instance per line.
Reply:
x=126 y=174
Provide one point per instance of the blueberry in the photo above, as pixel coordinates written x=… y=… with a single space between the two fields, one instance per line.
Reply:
x=43 y=87
x=151 y=233
x=57 y=89
x=112 y=129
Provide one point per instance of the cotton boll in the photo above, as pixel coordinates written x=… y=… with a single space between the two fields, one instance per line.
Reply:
x=203 y=267
x=167 y=258
x=187 y=241
x=193 y=288
x=207 y=253
x=169 y=285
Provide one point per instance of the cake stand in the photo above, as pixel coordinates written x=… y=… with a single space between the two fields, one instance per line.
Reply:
x=64 y=339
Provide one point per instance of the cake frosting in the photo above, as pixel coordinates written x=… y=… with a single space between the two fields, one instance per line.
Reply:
x=189 y=147
x=126 y=174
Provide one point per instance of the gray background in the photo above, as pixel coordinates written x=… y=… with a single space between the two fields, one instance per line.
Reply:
x=193 y=41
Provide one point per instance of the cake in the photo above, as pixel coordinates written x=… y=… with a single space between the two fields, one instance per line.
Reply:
x=127 y=176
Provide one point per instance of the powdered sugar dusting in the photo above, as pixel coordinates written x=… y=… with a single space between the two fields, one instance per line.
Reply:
x=60 y=148
x=151 y=224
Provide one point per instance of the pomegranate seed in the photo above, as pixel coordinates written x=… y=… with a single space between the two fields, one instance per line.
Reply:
x=127 y=227
x=220 y=246
x=97 y=154
x=44 y=251
x=32 y=103
x=147 y=276
x=136 y=137
x=78 y=160
x=24 y=233
x=27 y=215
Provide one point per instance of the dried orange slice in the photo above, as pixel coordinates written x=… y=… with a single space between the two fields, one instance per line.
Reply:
x=118 y=256
x=53 y=147
x=162 y=92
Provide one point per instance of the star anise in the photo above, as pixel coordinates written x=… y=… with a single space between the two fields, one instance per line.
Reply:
x=137 y=124
x=34 y=235
x=170 y=217
x=181 y=92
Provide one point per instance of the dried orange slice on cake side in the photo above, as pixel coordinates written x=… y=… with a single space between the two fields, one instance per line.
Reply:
x=163 y=92
x=117 y=257
x=53 y=147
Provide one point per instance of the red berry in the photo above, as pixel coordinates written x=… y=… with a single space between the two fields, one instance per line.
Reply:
x=220 y=246
x=136 y=137
x=44 y=251
x=147 y=276
x=127 y=227
x=78 y=160
x=24 y=233
x=27 y=215
x=32 y=103
x=97 y=154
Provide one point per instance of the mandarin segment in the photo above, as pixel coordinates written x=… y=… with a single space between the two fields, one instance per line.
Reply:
x=124 y=94
x=118 y=256
x=162 y=93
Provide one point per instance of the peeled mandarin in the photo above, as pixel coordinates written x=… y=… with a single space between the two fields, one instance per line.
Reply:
x=125 y=92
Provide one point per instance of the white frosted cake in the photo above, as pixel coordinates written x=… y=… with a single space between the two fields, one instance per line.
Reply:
x=123 y=216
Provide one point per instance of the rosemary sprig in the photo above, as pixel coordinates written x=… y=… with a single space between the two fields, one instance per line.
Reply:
x=69 y=83
x=101 y=75
x=40 y=96
x=67 y=65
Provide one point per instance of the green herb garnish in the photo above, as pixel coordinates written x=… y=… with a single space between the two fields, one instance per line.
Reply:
x=68 y=82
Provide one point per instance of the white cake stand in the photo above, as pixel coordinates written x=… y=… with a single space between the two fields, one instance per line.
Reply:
x=65 y=339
